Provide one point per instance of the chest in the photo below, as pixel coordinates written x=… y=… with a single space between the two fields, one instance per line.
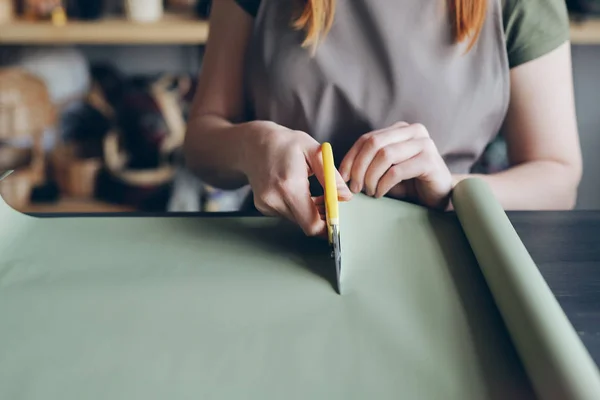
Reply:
x=382 y=62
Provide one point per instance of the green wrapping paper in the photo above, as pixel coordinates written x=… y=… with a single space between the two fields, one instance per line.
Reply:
x=556 y=360
x=241 y=308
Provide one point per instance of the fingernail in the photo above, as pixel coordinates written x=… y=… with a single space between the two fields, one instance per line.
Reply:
x=355 y=187
x=342 y=172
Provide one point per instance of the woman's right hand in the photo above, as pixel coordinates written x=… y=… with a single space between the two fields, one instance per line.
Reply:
x=278 y=163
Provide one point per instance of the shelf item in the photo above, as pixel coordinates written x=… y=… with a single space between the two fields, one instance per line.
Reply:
x=41 y=9
x=7 y=11
x=76 y=176
x=171 y=29
x=16 y=188
x=144 y=10
x=25 y=104
x=26 y=111
x=89 y=10
x=586 y=32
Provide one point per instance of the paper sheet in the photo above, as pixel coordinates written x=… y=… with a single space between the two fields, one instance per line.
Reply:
x=240 y=308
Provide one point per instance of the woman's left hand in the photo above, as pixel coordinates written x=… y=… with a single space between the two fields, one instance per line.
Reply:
x=401 y=161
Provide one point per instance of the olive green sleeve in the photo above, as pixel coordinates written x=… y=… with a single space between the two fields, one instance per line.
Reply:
x=533 y=28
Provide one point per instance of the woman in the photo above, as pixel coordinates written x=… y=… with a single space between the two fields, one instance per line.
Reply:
x=409 y=93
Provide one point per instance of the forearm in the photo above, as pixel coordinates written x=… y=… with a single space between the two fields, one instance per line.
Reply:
x=215 y=150
x=535 y=185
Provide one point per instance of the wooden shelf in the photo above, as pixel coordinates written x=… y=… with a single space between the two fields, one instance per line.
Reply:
x=586 y=32
x=75 y=206
x=172 y=29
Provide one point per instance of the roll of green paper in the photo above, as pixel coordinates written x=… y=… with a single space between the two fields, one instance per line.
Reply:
x=556 y=361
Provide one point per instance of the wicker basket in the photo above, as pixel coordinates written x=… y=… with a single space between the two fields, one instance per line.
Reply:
x=16 y=188
x=75 y=176
x=26 y=108
x=116 y=160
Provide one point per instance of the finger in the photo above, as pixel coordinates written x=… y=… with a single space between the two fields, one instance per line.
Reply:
x=307 y=216
x=303 y=209
x=323 y=215
x=319 y=203
x=409 y=169
x=320 y=200
x=369 y=150
x=348 y=161
x=315 y=162
x=387 y=157
x=271 y=204
x=418 y=131
x=399 y=191
x=344 y=193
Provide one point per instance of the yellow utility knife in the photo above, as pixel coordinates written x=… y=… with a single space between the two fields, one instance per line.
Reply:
x=332 y=211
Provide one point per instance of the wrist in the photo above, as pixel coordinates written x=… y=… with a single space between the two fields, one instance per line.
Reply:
x=251 y=138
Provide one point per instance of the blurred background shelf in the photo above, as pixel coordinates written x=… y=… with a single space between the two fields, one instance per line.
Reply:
x=172 y=29
x=585 y=32
x=113 y=61
x=67 y=205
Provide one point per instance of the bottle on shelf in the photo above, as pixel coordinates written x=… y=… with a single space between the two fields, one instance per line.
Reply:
x=7 y=11
x=144 y=11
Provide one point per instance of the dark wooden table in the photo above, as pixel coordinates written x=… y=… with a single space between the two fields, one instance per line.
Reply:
x=566 y=249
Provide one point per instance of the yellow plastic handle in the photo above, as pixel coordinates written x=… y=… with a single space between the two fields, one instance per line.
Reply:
x=331 y=194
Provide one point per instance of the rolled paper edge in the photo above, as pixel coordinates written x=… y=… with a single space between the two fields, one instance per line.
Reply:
x=557 y=363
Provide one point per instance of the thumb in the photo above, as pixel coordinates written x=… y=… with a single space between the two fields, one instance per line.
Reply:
x=315 y=163
x=305 y=211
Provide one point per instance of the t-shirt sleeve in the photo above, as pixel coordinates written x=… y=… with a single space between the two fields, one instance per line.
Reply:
x=250 y=6
x=534 y=28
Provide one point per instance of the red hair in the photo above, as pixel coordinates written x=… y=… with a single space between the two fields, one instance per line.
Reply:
x=467 y=17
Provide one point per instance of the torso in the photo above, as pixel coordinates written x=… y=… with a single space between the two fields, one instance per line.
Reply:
x=384 y=61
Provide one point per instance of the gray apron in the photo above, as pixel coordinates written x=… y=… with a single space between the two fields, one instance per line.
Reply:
x=384 y=61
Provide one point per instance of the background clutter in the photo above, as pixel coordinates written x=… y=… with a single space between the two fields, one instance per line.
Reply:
x=94 y=100
x=82 y=133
